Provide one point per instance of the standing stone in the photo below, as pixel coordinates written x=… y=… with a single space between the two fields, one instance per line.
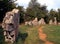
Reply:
x=41 y=21
x=51 y=22
x=10 y=25
x=55 y=21
x=35 y=21
x=30 y=23
x=26 y=23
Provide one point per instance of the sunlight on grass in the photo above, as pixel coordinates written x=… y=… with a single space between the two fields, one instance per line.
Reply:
x=53 y=33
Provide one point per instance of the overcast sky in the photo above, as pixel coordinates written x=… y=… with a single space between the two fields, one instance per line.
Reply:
x=50 y=3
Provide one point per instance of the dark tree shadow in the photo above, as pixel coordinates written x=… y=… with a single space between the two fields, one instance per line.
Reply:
x=21 y=36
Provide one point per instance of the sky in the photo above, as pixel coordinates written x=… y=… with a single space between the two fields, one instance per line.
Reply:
x=55 y=4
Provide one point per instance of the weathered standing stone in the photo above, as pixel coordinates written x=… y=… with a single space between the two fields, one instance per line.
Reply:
x=26 y=23
x=51 y=22
x=55 y=21
x=10 y=25
x=35 y=21
x=41 y=21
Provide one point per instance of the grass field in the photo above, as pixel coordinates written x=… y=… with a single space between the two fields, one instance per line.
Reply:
x=29 y=34
x=53 y=33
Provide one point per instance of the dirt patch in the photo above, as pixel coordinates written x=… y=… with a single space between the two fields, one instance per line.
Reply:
x=43 y=36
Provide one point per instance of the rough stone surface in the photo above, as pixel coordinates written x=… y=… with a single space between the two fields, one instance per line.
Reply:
x=35 y=21
x=50 y=22
x=26 y=23
x=10 y=25
x=30 y=23
x=55 y=21
x=41 y=21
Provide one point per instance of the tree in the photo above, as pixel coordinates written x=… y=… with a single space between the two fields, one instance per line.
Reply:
x=53 y=14
x=33 y=8
x=5 y=5
x=36 y=10
x=58 y=15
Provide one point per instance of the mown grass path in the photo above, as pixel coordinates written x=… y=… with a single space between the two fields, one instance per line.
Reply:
x=43 y=36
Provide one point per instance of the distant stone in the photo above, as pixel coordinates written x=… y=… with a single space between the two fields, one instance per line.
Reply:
x=28 y=23
x=35 y=21
x=55 y=21
x=51 y=22
x=41 y=21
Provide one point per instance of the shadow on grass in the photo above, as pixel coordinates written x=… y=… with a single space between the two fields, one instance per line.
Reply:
x=41 y=42
x=22 y=37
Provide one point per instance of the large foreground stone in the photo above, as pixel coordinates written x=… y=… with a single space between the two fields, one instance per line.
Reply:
x=10 y=25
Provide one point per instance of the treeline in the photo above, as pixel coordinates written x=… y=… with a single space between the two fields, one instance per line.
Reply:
x=33 y=10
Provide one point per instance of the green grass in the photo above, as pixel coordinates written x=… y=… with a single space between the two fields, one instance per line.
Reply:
x=32 y=35
x=53 y=33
